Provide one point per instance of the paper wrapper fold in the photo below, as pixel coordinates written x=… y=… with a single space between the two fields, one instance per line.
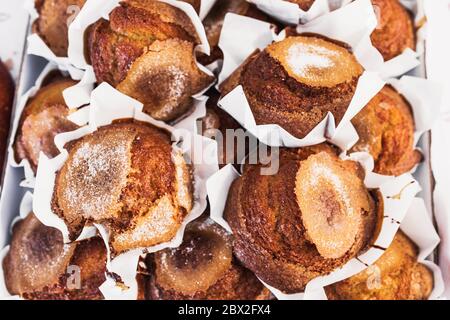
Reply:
x=107 y=105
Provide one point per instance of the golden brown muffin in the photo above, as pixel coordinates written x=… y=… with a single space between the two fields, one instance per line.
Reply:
x=295 y=82
x=127 y=177
x=395 y=276
x=386 y=130
x=6 y=102
x=395 y=30
x=218 y=121
x=202 y=268
x=214 y=22
x=53 y=22
x=44 y=116
x=39 y=265
x=146 y=50
x=311 y=217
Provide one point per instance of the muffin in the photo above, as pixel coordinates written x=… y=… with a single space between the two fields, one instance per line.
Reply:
x=213 y=23
x=44 y=116
x=38 y=265
x=386 y=130
x=296 y=82
x=146 y=51
x=217 y=121
x=6 y=101
x=202 y=268
x=395 y=276
x=53 y=22
x=127 y=177
x=395 y=31
x=310 y=218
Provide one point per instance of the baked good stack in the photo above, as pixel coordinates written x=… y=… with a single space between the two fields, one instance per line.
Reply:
x=222 y=150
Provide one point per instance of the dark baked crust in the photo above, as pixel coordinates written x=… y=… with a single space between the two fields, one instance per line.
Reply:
x=278 y=95
x=395 y=31
x=6 y=101
x=127 y=177
x=37 y=263
x=395 y=276
x=44 y=116
x=205 y=256
x=386 y=130
x=146 y=50
x=272 y=235
x=52 y=23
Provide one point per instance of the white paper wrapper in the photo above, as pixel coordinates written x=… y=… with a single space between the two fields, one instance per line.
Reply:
x=25 y=209
x=241 y=36
x=290 y=13
x=80 y=92
x=108 y=104
x=397 y=192
x=205 y=7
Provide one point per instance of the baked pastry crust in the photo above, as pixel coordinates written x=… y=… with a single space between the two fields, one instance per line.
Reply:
x=127 y=177
x=395 y=31
x=295 y=82
x=395 y=276
x=37 y=263
x=44 y=116
x=6 y=101
x=308 y=219
x=386 y=130
x=202 y=268
x=303 y=4
x=52 y=23
x=146 y=50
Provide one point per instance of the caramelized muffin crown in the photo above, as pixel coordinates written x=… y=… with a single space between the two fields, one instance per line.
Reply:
x=38 y=261
x=147 y=50
x=305 y=221
x=44 y=116
x=128 y=177
x=395 y=31
x=52 y=23
x=296 y=82
x=386 y=130
x=395 y=276
x=203 y=267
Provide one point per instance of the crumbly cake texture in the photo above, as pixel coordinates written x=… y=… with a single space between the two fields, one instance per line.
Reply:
x=295 y=82
x=146 y=50
x=203 y=267
x=44 y=116
x=310 y=218
x=52 y=23
x=6 y=101
x=127 y=177
x=395 y=31
x=37 y=263
x=386 y=131
x=395 y=276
